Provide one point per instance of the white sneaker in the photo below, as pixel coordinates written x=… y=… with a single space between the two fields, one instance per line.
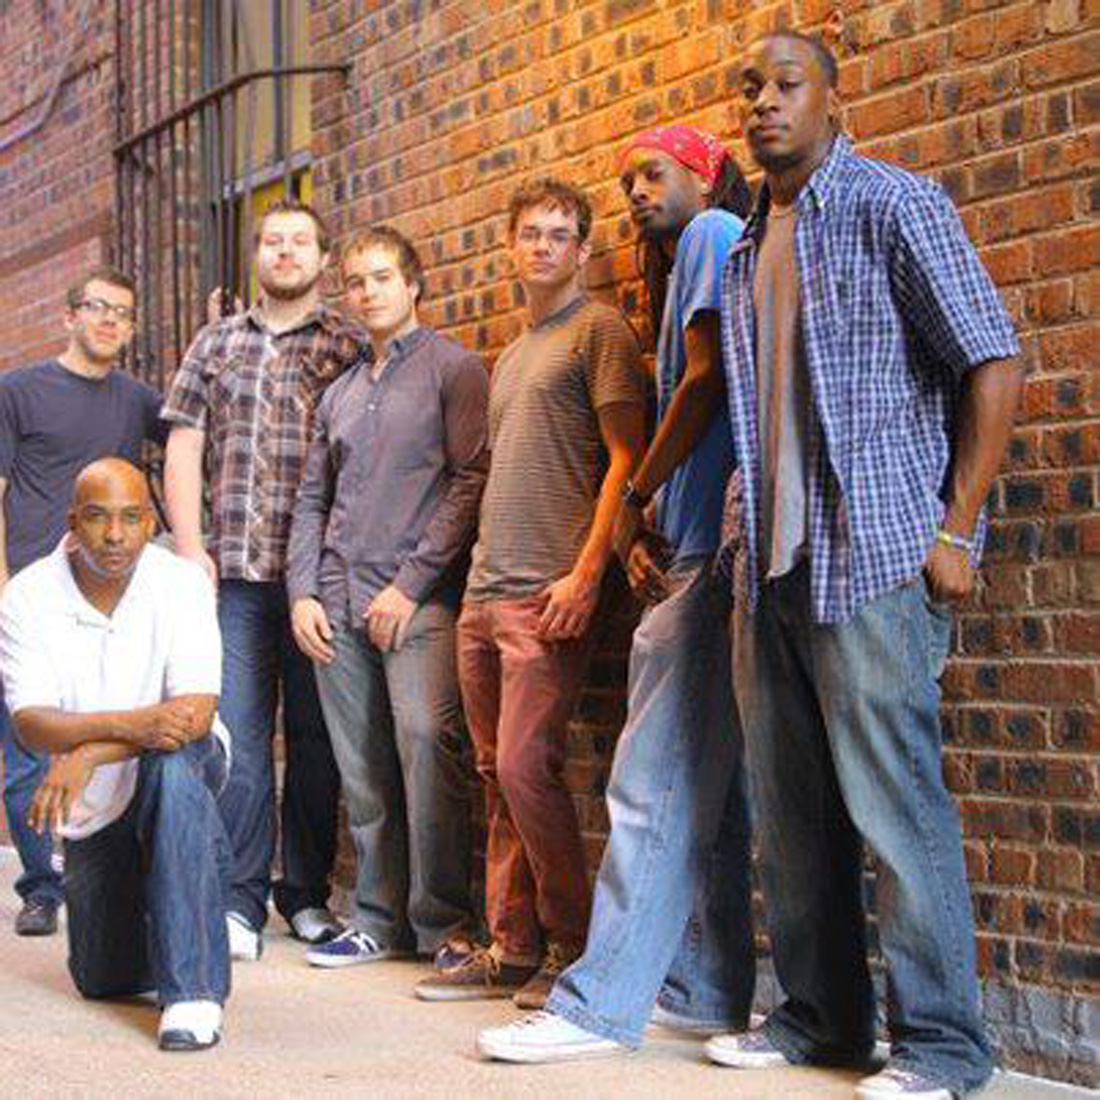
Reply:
x=315 y=925
x=895 y=1083
x=745 y=1050
x=245 y=942
x=690 y=1025
x=190 y=1025
x=543 y=1037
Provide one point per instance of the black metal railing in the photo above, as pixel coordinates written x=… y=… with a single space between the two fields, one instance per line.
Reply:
x=185 y=169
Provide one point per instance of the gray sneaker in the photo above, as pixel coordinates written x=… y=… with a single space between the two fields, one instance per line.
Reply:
x=896 y=1083
x=38 y=917
x=746 y=1050
x=692 y=1025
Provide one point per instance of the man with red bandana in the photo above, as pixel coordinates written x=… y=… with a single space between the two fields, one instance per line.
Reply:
x=671 y=914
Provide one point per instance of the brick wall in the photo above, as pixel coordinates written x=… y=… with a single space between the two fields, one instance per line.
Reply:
x=450 y=104
x=56 y=184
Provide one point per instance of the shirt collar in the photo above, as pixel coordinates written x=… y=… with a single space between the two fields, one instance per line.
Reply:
x=818 y=188
x=78 y=605
x=399 y=346
x=562 y=314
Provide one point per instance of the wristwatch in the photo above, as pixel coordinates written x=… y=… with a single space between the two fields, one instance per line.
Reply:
x=949 y=538
x=632 y=497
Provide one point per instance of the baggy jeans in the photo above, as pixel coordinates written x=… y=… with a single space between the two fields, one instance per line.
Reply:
x=843 y=744
x=673 y=900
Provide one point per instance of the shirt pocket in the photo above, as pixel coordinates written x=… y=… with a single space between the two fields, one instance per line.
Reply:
x=233 y=387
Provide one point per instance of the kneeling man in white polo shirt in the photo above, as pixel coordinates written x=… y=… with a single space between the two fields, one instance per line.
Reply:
x=111 y=660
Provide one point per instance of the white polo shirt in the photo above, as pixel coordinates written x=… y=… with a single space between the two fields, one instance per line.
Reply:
x=56 y=650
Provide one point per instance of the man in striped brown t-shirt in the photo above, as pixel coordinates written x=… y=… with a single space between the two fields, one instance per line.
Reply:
x=566 y=426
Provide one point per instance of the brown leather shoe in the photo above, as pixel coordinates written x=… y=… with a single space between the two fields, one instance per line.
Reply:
x=533 y=995
x=482 y=976
x=38 y=917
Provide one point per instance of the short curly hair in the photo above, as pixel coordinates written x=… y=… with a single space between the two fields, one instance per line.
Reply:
x=554 y=193
x=384 y=236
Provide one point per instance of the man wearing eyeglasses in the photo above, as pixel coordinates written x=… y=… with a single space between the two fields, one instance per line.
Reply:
x=55 y=418
x=566 y=427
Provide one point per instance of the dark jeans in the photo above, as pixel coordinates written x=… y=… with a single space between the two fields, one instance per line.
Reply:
x=23 y=772
x=260 y=657
x=842 y=734
x=146 y=895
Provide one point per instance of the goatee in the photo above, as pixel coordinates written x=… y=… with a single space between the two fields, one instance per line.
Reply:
x=288 y=293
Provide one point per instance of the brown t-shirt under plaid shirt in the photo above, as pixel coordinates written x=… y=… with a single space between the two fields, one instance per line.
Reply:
x=253 y=393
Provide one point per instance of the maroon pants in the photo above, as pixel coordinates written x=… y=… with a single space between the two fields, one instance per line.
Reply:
x=519 y=693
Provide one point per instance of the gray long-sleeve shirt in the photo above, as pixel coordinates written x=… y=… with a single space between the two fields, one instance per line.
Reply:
x=393 y=478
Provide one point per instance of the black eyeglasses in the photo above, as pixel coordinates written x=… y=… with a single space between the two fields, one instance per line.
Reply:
x=97 y=307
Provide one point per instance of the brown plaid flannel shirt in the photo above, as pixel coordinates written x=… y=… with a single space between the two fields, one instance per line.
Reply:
x=253 y=393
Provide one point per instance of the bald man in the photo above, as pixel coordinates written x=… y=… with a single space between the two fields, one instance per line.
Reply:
x=111 y=661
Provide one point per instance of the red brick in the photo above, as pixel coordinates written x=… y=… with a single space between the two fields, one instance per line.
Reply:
x=1081 y=923
x=1020 y=214
x=1060 y=61
x=1012 y=866
x=1009 y=263
x=905 y=60
x=1060 y=869
x=1052 y=303
x=1061 y=157
x=889 y=113
x=1068 y=349
x=1068 y=251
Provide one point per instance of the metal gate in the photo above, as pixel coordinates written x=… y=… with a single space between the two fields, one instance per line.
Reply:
x=189 y=92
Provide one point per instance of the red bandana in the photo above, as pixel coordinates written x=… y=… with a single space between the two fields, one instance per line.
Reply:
x=695 y=149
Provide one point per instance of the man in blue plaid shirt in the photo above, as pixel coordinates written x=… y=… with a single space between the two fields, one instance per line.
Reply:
x=872 y=386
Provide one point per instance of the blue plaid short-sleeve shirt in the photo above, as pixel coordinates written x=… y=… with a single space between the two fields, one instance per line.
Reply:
x=896 y=309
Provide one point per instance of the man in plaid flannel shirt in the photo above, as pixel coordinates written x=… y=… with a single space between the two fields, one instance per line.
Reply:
x=242 y=402
x=872 y=389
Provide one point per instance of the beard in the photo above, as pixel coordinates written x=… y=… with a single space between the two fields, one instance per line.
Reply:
x=280 y=293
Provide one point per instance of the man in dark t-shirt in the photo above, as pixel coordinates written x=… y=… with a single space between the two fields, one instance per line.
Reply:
x=55 y=418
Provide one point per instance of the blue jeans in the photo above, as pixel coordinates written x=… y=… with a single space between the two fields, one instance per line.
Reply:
x=260 y=657
x=673 y=900
x=23 y=773
x=147 y=894
x=398 y=734
x=843 y=744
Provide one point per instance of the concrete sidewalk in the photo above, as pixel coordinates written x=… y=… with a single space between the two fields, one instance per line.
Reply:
x=296 y=1031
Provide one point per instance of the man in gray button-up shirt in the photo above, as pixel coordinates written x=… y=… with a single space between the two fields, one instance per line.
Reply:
x=383 y=522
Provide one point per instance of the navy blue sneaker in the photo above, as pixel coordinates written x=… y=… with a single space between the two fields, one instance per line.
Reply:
x=453 y=952
x=314 y=925
x=350 y=948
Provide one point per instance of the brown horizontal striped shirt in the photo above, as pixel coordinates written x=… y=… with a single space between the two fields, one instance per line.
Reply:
x=548 y=457
x=253 y=392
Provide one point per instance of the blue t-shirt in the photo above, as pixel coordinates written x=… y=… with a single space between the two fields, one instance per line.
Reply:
x=689 y=507
x=52 y=424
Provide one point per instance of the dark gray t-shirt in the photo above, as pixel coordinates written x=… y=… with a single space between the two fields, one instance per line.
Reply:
x=783 y=394
x=52 y=424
